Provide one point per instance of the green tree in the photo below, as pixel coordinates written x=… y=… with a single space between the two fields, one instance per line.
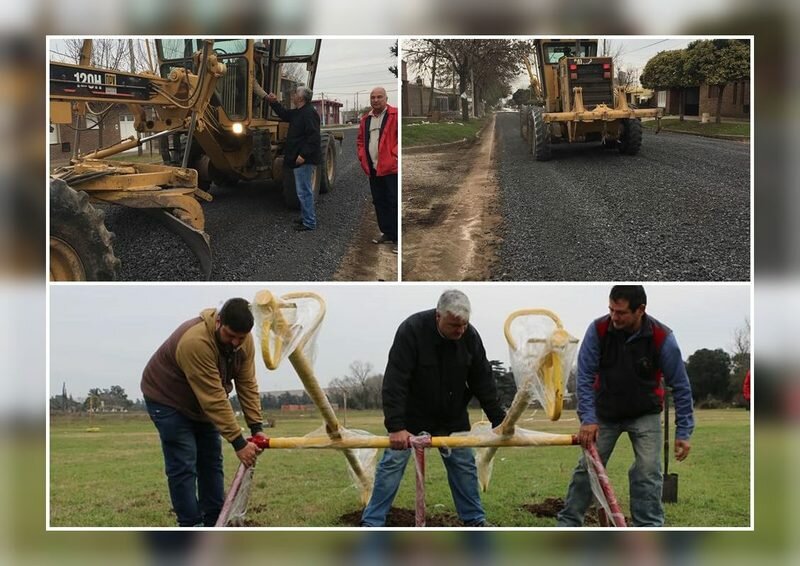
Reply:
x=521 y=96
x=719 y=62
x=669 y=70
x=504 y=381
x=709 y=372
x=269 y=401
x=116 y=397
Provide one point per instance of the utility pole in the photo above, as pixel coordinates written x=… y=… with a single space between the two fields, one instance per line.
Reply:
x=323 y=108
x=133 y=70
x=472 y=86
x=433 y=78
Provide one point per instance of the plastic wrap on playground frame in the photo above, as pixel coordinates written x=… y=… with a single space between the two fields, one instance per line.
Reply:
x=281 y=335
x=544 y=354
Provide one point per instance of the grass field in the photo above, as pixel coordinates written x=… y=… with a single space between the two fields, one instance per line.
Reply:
x=695 y=127
x=114 y=477
x=438 y=133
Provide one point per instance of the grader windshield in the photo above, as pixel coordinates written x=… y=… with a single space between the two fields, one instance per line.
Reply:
x=555 y=51
x=276 y=65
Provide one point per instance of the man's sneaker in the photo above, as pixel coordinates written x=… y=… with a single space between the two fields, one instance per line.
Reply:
x=394 y=250
x=382 y=239
x=297 y=221
x=303 y=228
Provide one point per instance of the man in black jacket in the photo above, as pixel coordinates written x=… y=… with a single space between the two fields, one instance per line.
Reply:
x=302 y=153
x=436 y=364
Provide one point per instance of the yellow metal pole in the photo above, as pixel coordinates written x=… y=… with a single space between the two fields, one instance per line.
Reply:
x=466 y=441
x=282 y=332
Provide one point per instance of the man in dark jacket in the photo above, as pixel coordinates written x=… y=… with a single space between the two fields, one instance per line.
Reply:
x=302 y=153
x=436 y=364
x=377 y=153
x=625 y=360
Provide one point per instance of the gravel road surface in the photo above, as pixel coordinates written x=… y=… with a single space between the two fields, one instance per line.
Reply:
x=677 y=211
x=252 y=235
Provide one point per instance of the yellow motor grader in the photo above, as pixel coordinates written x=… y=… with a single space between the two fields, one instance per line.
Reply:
x=574 y=100
x=200 y=105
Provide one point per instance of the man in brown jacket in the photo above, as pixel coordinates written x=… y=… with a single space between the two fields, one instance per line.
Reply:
x=186 y=385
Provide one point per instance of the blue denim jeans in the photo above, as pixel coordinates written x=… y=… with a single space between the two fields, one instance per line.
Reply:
x=462 y=475
x=303 y=176
x=193 y=464
x=644 y=475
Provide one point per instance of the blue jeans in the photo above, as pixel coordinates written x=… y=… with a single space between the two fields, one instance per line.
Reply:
x=462 y=475
x=644 y=475
x=303 y=176
x=193 y=464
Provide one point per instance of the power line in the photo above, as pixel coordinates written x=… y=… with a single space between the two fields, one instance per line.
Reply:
x=353 y=93
x=70 y=57
x=646 y=46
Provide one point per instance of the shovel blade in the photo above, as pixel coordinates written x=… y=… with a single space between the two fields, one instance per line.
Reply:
x=669 y=492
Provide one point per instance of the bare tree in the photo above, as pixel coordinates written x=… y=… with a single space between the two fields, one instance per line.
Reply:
x=741 y=338
x=740 y=359
x=478 y=64
x=116 y=54
x=360 y=372
x=612 y=48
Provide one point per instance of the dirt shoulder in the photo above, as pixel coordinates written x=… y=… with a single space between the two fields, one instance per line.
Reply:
x=451 y=212
x=365 y=261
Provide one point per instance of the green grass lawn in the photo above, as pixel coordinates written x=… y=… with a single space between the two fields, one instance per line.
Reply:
x=442 y=132
x=692 y=126
x=115 y=477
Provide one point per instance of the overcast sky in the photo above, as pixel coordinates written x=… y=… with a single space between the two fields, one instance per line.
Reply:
x=104 y=335
x=350 y=66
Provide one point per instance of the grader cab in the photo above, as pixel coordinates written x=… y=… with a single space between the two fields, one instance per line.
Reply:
x=201 y=106
x=574 y=100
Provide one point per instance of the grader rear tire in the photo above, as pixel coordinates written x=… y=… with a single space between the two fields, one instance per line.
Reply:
x=328 y=168
x=80 y=245
x=539 y=135
x=630 y=140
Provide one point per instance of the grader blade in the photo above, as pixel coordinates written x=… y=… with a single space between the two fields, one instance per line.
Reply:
x=197 y=240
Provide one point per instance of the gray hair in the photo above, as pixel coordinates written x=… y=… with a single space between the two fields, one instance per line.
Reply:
x=305 y=92
x=454 y=302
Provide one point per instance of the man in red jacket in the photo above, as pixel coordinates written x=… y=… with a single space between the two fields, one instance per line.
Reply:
x=377 y=152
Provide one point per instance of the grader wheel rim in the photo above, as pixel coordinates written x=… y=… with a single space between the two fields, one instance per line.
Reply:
x=330 y=168
x=65 y=263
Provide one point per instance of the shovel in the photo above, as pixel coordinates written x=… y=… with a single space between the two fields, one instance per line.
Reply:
x=669 y=492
